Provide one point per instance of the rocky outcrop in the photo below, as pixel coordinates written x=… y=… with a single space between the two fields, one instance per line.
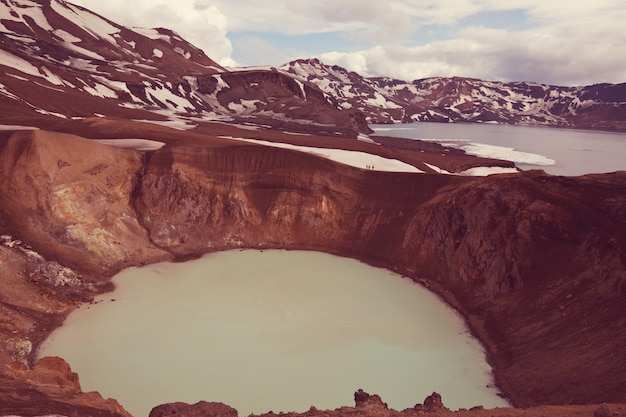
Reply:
x=371 y=405
x=51 y=387
x=75 y=193
x=432 y=404
x=199 y=409
x=363 y=399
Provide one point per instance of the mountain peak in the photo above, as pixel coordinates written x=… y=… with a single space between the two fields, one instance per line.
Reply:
x=59 y=60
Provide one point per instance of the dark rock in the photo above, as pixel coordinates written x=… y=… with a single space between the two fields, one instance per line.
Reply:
x=52 y=371
x=432 y=404
x=363 y=399
x=57 y=392
x=603 y=411
x=199 y=409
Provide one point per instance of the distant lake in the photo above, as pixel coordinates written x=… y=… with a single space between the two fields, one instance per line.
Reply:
x=556 y=151
x=272 y=330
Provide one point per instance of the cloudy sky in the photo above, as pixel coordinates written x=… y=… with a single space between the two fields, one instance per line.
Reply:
x=564 y=42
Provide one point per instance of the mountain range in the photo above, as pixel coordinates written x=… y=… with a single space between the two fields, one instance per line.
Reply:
x=124 y=146
x=458 y=99
x=61 y=60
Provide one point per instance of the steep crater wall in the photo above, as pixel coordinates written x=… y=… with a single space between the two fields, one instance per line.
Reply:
x=535 y=263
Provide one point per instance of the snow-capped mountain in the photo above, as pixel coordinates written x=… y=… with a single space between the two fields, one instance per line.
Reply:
x=456 y=99
x=63 y=61
x=59 y=60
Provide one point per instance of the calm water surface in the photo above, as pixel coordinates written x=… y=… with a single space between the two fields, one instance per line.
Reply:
x=272 y=330
x=557 y=151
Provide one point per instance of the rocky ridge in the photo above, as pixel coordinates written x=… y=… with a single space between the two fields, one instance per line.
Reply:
x=370 y=405
x=458 y=99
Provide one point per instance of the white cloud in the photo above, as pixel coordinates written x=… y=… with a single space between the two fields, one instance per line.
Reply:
x=570 y=53
x=258 y=50
x=353 y=17
x=203 y=25
x=560 y=41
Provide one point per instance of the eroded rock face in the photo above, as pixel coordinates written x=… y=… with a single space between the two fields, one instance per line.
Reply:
x=196 y=200
x=364 y=400
x=76 y=193
x=51 y=387
x=534 y=262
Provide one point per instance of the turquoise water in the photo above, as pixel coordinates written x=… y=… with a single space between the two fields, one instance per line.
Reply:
x=272 y=330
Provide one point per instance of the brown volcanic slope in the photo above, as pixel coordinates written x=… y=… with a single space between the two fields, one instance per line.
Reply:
x=535 y=263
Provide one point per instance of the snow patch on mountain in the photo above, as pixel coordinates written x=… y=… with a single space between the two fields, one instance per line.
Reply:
x=457 y=99
x=489 y=151
x=142 y=145
x=356 y=159
x=31 y=9
x=221 y=84
x=181 y=51
x=24 y=66
x=475 y=171
x=244 y=106
x=486 y=171
x=99 y=90
x=17 y=127
x=86 y=20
